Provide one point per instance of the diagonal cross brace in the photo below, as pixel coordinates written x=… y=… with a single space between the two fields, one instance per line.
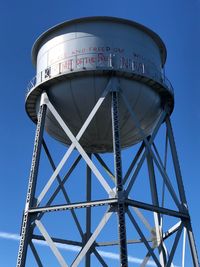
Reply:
x=139 y=165
x=103 y=164
x=149 y=150
x=133 y=163
x=171 y=231
x=150 y=250
x=51 y=244
x=37 y=258
x=92 y=239
x=178 y=234
x=79 y=148
x=62 y=188
x=75 y=143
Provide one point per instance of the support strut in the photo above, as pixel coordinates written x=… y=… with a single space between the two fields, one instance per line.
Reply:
x=118 y=199
x=30 y=199
x=119 y=181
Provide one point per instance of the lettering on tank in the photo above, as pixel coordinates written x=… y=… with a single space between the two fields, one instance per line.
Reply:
x=63 y=59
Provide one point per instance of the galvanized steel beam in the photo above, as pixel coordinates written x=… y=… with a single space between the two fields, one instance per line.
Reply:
x=76 y=205
x=158 y=209
x=118 y=180
x=30 y=199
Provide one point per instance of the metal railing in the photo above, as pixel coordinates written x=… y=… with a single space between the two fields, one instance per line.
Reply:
x=95 y=61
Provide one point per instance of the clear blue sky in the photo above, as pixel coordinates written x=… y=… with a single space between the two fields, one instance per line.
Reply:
x=21 y=22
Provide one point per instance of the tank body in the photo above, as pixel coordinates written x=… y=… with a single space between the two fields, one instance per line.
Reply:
x=74 y=62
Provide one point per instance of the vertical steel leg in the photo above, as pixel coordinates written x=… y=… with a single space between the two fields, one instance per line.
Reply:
x=88 y=214
x=182 y=192
x=176 y=163
x=30 y=200
x=192 y=245
x=155 y=201
x=119 y=181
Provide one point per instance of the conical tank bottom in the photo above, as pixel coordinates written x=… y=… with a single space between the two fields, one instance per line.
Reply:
x=75 y=98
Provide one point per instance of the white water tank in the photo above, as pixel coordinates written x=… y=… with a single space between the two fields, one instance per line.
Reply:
x=74 y=62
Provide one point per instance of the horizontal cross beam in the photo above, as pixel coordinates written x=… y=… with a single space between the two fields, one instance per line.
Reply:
x=74 y=206
x=59 y=240
x=112 y=201
x=157 y=209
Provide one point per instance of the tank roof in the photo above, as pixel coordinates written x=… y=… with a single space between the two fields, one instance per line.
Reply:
x=152 y=34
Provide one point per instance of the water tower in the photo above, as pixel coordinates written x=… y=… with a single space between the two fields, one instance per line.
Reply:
x=100 y=90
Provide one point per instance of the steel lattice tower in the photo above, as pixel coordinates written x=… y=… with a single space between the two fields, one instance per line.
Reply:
x=162 y=233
